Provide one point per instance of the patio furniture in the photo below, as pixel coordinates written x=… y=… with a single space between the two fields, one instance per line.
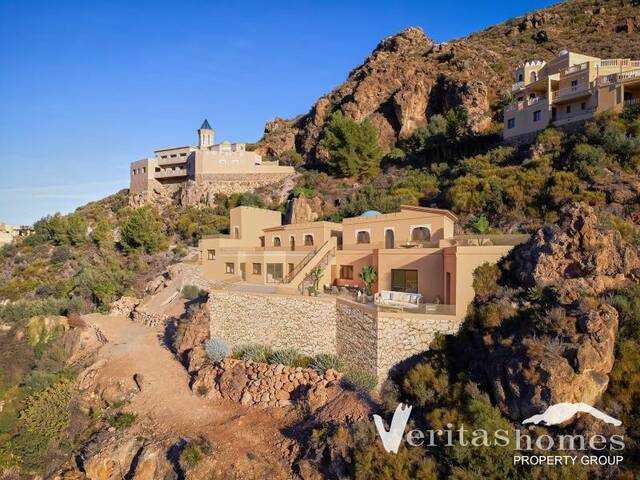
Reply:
x=389 y=298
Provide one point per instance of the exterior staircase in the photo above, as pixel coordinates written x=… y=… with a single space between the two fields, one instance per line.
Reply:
x=321 y=257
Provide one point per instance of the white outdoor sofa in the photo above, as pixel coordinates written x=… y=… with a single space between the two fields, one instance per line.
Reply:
x=388 y=298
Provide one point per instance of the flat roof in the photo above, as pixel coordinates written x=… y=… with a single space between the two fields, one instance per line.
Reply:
x=433 y=211
x=302 y=225
x=174 y=148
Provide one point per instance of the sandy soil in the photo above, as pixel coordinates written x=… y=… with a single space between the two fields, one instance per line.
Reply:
x=248 y=443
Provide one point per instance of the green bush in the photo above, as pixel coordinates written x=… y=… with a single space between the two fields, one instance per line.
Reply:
x=122 y=420
x=256 y=353
x=485 y=280
x=426 y=384
x=353 y=147
x=360 y=380
x=191 y=292
x=290 y=357
x=193 y=453
x=216 y=348
x=326 y=361
x=102 y=234
x=143 y=231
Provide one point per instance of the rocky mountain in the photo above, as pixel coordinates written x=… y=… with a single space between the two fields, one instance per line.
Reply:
x=552 y=338
x=408 y=78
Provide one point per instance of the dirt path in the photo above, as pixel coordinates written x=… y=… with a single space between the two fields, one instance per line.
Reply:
x=249 y=440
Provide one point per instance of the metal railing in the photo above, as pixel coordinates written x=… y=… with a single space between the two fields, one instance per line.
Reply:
x=517 y=86
x=632 y=101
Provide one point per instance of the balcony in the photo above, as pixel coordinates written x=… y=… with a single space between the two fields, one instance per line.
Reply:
x=577 y=68
x=524 y=104
x=570 y=93
x=170 y=173
x=517 y=86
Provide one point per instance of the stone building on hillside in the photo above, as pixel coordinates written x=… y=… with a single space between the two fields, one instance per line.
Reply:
x=567 y=91
x=267 y=272
x=8 y=233
x=208 y=168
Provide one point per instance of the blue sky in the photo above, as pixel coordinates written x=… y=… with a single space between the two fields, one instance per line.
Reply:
x=88 y=86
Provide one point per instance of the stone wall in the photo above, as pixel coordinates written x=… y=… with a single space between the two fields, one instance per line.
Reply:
x=361 y=336
x=403 y=335
x=261 y=384
x=356 y=339
x=279 y=321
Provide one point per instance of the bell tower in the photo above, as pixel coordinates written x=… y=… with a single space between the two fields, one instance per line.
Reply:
x=205 y=135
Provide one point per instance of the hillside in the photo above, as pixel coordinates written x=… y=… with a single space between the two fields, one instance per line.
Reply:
x=408 y=78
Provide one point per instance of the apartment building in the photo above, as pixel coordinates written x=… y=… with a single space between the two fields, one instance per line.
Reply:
x=413 y=250
x=567 y=90
x=207 y=161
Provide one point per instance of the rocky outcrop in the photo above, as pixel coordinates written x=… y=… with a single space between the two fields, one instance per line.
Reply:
x=262 y=384
x=558 y=343
x=408 y=78
x=302 y=210
x=576 y=257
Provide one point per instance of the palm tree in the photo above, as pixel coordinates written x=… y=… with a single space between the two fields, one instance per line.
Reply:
x=368 y=275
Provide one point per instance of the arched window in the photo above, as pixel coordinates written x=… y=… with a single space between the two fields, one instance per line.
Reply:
x=533 y=76
x=308 y=240
x=276 y=242
x=363 y=237
x=520 y=77
x=389 y=239
x=292 y=242
x=420 y=234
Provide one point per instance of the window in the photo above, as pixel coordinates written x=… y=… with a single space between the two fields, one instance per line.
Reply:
x=229 y=267
x=290 y=267
x=404 y=281
x=363 y=237
x=420 y=234
x=236 y=232
x=183 y=154
x=511 y=123
x=520 y=77
x=211 y=254
x=583 y=106
x=533 y=76
x=346 y=272
x=574 y=83
x=274 y=272
x=164 y=156
x=262 y=241
x=173 y=155
x=308 y=240
x=537 y=115
x=568 y=109
x=277 y=242
x=257 y=269
x=389 y=238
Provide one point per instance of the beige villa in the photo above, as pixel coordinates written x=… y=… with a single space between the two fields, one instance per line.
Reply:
x=413 y=250
x=569 y=89
x=260 y=277
x=208 y=161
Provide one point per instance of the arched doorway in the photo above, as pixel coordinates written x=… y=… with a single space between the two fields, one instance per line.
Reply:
x=292 y=243
x=389 y=240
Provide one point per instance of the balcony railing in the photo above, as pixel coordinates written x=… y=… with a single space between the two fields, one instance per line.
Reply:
x=572 y=91
x=517 y=86
x=423 y=309
x=631 y=101
x=577 y=68
x=524 y=104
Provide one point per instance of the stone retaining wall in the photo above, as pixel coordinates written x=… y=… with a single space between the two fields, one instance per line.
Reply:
x=401 y=336
x=279 y=321
x=360 y=335
x=261 y=384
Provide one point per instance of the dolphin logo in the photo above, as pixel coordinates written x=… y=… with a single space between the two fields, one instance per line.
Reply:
x=391 y=439
x=561 y=412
